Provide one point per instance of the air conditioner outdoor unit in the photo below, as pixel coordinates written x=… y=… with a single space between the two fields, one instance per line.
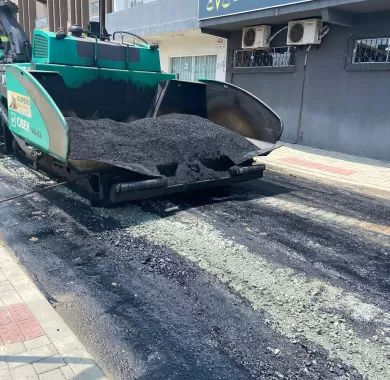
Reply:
x=304 y=32
x=256 y=37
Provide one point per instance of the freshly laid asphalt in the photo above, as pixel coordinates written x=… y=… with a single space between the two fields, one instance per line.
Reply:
x=276 y=278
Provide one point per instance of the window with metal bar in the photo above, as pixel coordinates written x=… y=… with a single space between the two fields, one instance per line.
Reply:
x=283 y=56
x=124 y=4
x=94 y=8
x=193 y=68
x=41 y=23
x=371 y=50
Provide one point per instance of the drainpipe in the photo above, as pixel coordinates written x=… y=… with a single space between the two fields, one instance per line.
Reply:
x=299 y=138
x=299 y=131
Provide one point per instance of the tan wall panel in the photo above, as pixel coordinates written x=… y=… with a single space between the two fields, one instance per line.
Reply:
x=72 y=13
x=41 y=10
x=109 y=7
x=63 y=13
x=78 y=12
x=32 y=15
x=50 y=14
x=25 y=24
x=84 y=13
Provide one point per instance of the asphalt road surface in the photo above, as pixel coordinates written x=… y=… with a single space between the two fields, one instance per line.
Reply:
x=272 y=279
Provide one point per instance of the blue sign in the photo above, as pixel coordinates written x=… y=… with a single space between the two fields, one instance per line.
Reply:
x=218 y=8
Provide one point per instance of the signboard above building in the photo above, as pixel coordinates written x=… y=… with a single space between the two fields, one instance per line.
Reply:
x=218 y=8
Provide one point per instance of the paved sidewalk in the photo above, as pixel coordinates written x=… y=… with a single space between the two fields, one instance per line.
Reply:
x=35 y=343
x=360 y=174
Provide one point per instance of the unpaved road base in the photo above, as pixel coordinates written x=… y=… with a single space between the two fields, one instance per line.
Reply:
x=273 y=279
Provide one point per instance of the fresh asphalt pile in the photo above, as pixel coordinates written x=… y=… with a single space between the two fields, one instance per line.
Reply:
x=185 y=148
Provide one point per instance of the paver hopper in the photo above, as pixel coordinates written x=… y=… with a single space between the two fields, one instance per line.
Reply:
x=111 y=89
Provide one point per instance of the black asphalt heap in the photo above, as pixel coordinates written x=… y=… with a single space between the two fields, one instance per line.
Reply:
x=185 y=148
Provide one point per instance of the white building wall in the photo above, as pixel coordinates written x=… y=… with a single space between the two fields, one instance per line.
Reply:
x=192 y=43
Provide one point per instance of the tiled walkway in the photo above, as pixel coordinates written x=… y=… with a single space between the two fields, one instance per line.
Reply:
x=360 y=174
x=35 y=343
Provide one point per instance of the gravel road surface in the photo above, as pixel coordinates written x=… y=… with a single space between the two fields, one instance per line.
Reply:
x=277 y=278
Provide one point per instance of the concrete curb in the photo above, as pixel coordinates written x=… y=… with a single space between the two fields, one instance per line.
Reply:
x=374 y=191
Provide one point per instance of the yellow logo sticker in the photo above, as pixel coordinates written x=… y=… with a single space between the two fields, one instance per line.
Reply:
x=19 y=103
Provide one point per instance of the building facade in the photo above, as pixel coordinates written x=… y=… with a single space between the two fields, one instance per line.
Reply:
x=330 y=95
x=57 y=14
x=333 y=95
x=174 y=25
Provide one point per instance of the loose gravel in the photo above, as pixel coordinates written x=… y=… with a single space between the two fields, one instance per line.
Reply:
x=235 y=285
x=299 y=307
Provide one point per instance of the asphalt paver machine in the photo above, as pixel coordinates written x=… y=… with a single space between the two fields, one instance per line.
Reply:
x=96 y=108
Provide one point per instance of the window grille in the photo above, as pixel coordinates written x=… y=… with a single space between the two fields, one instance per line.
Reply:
x=94 y=8
x=371 y=50
x=274 y=57
x=124 y=4
x=41 y=23
x=192 y=68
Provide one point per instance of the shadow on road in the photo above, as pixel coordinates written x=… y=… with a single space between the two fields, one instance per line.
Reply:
x=157 y=208
x=48 y=363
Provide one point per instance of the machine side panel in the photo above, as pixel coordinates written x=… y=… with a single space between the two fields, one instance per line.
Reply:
x=33 y=115
x=91 y=92
x=140 y=78
x=76 y=76
x=87 y=52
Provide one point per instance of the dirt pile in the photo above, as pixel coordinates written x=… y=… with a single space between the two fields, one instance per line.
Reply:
x=185 y=148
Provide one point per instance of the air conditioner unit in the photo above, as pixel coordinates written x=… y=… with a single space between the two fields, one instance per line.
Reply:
x=304 y=32
x=256 y=37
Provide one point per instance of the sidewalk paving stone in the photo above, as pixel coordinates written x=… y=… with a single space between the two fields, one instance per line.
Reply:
x=10 y=297
x=5 y=374
x=31 y=356
x=26 y=372
x=67 y=371
x=35 y=343
x=20 y=312
x=11 y=349
x=31 y=328
x=363 y=175
x=55 y=374
x=11 y=334
x=49 y=364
